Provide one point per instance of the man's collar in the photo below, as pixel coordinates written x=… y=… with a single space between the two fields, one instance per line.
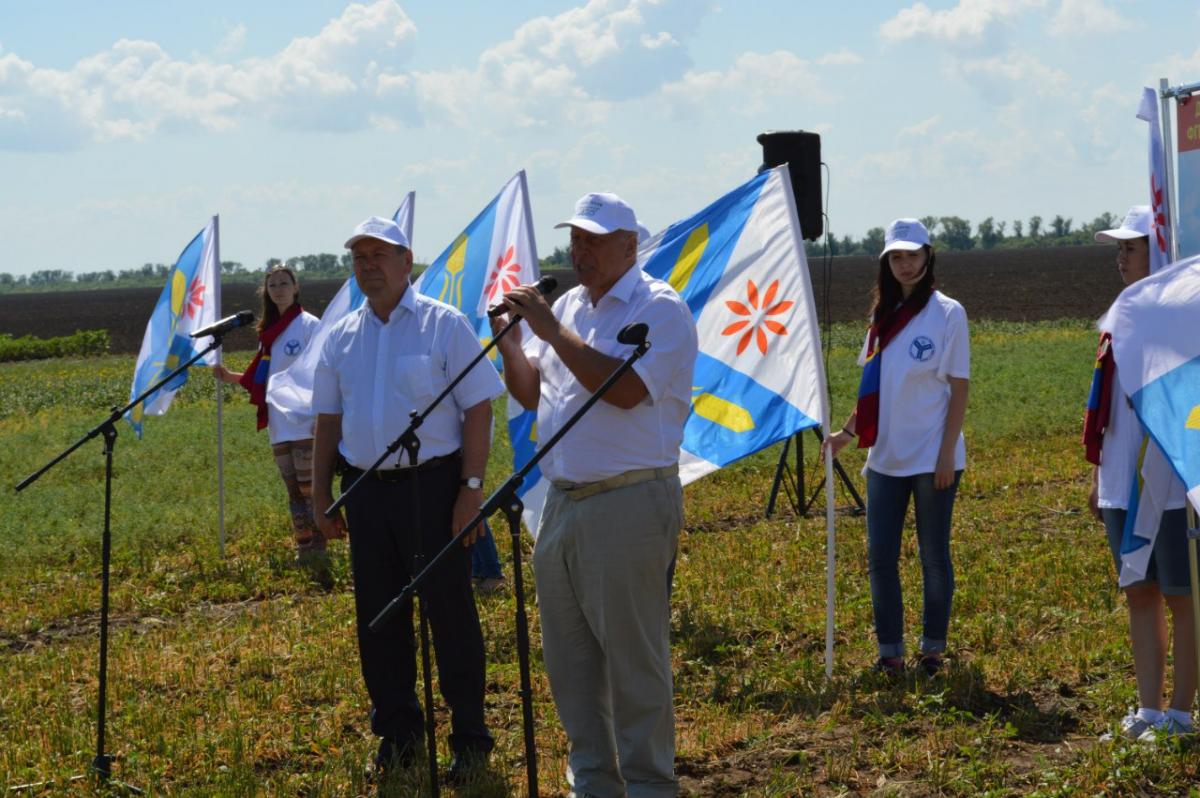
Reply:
x=623 y=288
x=407 y=303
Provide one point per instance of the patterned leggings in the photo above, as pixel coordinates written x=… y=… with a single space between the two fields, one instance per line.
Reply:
x=294 y=460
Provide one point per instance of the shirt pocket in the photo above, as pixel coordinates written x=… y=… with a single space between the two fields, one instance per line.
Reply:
x=414 y=379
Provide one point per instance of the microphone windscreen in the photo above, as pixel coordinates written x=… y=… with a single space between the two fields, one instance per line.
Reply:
x=634 y=334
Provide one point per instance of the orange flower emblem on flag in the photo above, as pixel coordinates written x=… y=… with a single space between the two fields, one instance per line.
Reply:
x=195 y=299
x=504 y=278
x=757 y=309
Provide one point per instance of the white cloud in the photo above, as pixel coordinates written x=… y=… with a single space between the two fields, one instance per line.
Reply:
x=999 y=79
x=842 y=57
x=135 y=88
x=754 y=82
x=1086 y=17
x=969 y=23
x=920 y=129
x=232 y=42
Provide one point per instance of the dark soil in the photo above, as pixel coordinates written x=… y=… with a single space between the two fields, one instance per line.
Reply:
x=1008 y=284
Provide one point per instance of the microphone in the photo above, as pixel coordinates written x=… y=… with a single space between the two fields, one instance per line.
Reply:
x=226 y=324
x=634 y=334
x=544 y=286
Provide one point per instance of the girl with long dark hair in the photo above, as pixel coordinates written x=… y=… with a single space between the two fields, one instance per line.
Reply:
x=911 y=403
x=284 y=329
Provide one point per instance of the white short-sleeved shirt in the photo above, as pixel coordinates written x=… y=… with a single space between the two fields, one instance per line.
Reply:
x=1119 y=457
x=914 y=389
x=374 y=373
x=608 y=440
x=287 y=347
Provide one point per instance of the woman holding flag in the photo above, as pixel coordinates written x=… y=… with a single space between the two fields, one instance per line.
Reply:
x=1116 y=444
x=911 y=403
x=284 y=329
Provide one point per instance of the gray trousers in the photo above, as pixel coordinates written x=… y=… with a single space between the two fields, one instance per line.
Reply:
x=603 y=568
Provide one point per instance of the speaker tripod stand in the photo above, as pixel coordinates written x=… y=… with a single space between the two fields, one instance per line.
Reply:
x=793 y=482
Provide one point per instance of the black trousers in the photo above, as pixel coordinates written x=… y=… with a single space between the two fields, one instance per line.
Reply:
x=383 y=542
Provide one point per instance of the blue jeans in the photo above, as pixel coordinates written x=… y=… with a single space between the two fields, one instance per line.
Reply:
x=485 y=562
x=887 y=506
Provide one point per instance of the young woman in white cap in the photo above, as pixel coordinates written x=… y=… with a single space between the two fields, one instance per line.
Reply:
x=284 y=329
x=1115 y=440
x=911 y=403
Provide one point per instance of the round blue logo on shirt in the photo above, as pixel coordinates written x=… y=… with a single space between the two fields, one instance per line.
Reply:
x=292 y=347
x=921 y=348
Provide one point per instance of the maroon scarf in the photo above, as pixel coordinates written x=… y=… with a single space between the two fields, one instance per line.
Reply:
x=254 y=378
x=1099 y=404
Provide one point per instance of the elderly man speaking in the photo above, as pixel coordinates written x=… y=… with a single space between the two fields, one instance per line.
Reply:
x=606 y=545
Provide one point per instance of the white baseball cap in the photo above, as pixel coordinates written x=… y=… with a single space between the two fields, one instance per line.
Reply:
x=905 y=234
x=383 y=229
x=1138 y=223
x=603 y=213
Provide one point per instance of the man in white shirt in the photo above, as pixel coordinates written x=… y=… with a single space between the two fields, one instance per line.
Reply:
x=606 y=544
x=393 y=355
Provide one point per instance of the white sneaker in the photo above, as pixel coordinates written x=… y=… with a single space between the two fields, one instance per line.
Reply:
x=1133 y=726
x=1167 y=727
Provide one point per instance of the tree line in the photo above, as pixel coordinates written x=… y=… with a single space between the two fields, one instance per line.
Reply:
x=949 y=233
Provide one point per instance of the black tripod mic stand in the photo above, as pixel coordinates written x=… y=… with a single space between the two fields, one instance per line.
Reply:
x=107 y=429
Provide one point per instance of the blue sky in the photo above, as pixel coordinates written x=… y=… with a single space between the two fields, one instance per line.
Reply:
x=123 y=126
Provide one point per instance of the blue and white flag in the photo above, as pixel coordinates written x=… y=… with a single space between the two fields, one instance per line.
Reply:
x=1157 y=350
x=740 y=266
x=1160 y=233
x=290 y=391
x=493 y=255
x=191 y=299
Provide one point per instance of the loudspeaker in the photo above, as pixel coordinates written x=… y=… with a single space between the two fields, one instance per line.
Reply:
x=801 y=151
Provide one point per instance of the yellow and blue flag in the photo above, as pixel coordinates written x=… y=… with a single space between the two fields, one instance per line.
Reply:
x=740 y=266
x=1157 y=351
x=493 y=255
x=190 y=300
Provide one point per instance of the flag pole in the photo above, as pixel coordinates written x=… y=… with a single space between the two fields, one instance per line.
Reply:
x=220 y=409
x=1169 y=207
x=830 y=561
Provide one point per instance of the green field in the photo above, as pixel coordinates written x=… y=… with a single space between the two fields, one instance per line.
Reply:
x=235 y=676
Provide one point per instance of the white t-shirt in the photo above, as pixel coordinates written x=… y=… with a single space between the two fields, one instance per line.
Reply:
x=914 y=389
x=1119 y=456
x=287 y=347
x=608 y=440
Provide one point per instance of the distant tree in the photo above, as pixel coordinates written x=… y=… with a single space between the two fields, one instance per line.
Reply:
x=96 y=277
x=872 y=241
x=1017 y=230
x=161 y=270
x=989 y=234
x=1060 y=226
x=1035 y=226
x=7 y=279
x=272 y=263
x=1105 y=221
x=848 y=246
x=931 y=223
x=47 y=277
x=347 y=261
x=956 y=233
x=558 y=259
x=232 y=267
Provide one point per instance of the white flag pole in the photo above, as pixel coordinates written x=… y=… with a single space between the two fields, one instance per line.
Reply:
x=1169 y=205
x=830 y=561
x=220 y=407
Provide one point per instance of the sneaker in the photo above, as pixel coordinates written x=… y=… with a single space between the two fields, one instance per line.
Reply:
x=931 y=664
x=1133 y=726
x=890 y=666
x=491 y=584
x=1167 y=727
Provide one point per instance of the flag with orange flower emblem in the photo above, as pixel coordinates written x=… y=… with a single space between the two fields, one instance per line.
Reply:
x=740 y=266
x=191 y=299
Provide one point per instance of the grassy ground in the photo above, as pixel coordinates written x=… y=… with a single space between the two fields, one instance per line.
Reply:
x=234 y=676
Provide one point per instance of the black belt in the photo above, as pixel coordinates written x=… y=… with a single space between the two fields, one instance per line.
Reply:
x=399 y=474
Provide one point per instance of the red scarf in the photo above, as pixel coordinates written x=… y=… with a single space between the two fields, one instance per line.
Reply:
x=1099 y=404
x=254 y=378
x=866 y=418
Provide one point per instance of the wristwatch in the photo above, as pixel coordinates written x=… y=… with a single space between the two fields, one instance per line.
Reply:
x=474 y=483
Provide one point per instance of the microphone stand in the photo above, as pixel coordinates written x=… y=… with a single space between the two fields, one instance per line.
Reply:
x=411 y=444
x=107 y=429
x=505 y=499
